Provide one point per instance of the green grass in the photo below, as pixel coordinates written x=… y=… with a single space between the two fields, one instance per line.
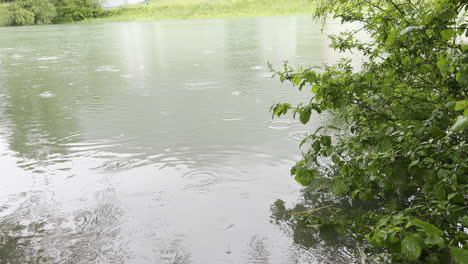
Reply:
x=195 y=9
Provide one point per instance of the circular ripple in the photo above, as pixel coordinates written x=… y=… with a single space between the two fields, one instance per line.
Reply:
x=298 y=135
x=281 y=124
x=202 y=85
x=232 y=116
x=201 y=180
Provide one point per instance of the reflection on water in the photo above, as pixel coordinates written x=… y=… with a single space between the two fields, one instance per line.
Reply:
x=150 y=142
x=328 y=245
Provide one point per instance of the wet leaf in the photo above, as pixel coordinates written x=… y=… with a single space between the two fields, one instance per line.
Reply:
x=435 y=240
x=411 y=247
x=436 y=132
x=340 y=187
x=447 y=34
x=316 y=146
x=311 y=77
x=305 y=115
x=304 y=176
x=448 y=14
x=459 y=255
x=426 y=227
x=443 y=65
x=392 y=36
x=325 y=140
x=460 y=124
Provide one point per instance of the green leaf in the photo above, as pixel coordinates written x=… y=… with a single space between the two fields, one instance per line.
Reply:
x=385 y=144
x=428 y=18
x=465 y=221
x=435 y=240
x=315 y=88
x=447 y=34
x=340 y=187
x=325 y=140
x=439 y=193
x=380 y=236
x=316 y=146
x=436 y=132
x=413 y=163
x=463 y=76
x=335 y=158
x=426 y=227
x=332 y=127
x=448 y=14
x=433 y=259
x=392 y=36
x=297 y=79
x=443 y=65
x=459 y=255
x=304 y=176
x=305 y=115
x=311 y=77
x=460 y=124
x=411 y=247
x=461 y=105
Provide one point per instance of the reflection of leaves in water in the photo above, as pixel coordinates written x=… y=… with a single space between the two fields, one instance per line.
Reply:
x=258 y=252
x=328 y=245
x=17 y=243
x=175 y=254
x=34 y=233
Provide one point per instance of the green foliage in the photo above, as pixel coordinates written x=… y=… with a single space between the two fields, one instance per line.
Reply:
x=26 y=12
x=190 y=9
x=30 y=12
x=403 y=143
x=76 y=10
x=4 y=14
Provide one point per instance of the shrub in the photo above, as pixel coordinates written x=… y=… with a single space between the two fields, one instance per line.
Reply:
x=26 y=12
x=76 y=10
x=4 y=14
x=404 y=139
x=43 y=11
x=20 y=16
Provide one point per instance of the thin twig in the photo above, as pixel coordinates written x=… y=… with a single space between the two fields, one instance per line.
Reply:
x=311 y=210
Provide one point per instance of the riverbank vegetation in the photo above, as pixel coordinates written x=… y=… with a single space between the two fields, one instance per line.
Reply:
x=398 y=162
x=30 y=12
x=194 y=9
x=39 y=12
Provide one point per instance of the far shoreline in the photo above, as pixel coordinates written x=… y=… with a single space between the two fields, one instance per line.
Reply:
x=202 y=9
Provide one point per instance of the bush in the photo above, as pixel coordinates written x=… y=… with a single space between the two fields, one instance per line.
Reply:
x=4 y=15
x=43 y=11
x=76 y=10
x=404 y=140
x=20 y=16
x=27 y=12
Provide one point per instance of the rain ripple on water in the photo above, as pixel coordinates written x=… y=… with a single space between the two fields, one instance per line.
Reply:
x=201 y=180
x=202 y=85
x=281 y=124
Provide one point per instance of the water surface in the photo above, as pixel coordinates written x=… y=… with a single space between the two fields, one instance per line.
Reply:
x=151 y=142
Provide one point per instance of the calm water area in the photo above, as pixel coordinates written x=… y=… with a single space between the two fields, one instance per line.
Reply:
x=152 y=142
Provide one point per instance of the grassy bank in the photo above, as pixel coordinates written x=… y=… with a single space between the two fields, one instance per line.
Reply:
x=193 y=9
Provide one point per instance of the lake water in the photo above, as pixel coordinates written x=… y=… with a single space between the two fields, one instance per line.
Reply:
x=152 y=142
